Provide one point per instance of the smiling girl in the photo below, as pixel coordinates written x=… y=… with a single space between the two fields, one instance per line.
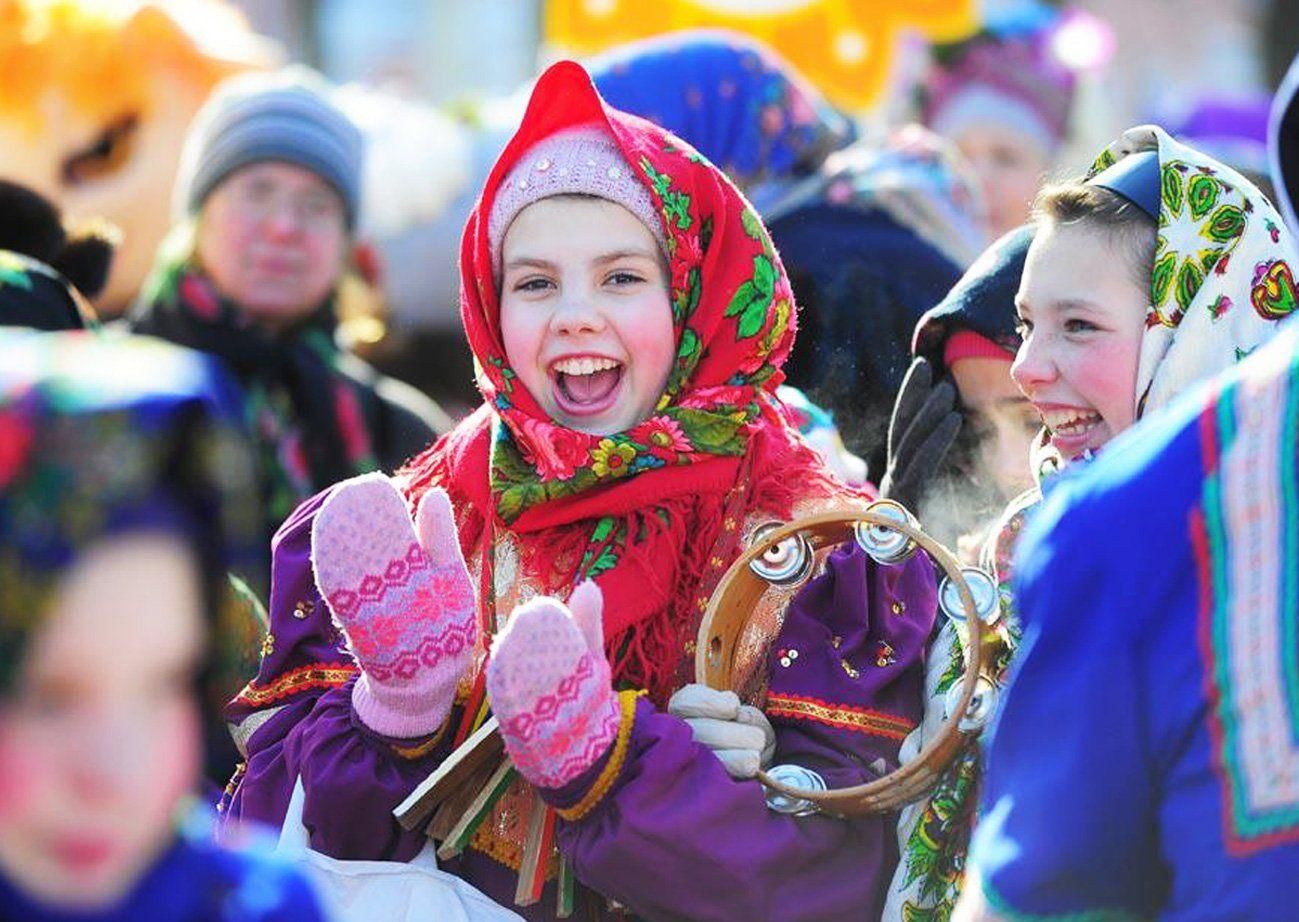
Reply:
x=1081 y=308
x=1161 y=269
x=585 y=316
x=630 y=318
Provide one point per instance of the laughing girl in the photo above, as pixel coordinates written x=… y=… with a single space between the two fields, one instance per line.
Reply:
x=1161 y=269
x=630 y=318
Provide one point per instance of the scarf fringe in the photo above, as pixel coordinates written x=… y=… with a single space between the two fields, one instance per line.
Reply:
x=653 y=651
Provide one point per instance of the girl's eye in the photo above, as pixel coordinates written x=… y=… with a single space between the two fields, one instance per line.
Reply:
x=257 y=190
x=178 y=683
x=535 y=283
x=1007 y=158
x=624 y=278
x=1023 y=327
x=318 y=207
x=1030 y=422
x=1079 y=326
x=52 y=699
x=980 y=426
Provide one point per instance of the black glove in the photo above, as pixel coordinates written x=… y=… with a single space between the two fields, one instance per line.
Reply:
x=924 y=426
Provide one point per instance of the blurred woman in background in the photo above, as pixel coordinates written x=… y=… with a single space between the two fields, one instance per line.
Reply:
x=268 y=192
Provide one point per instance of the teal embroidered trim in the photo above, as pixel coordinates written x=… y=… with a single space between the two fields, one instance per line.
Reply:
x=1290 y=574
x=1252 y=667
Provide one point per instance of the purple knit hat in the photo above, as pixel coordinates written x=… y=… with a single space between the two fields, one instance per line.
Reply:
x=577 y=161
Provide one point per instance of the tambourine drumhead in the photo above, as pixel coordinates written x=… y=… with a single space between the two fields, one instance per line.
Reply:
x=737 y=597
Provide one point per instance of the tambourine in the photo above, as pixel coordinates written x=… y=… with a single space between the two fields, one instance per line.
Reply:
x=783 y=556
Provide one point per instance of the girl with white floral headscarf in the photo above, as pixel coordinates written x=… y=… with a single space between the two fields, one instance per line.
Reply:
x=1159 y=270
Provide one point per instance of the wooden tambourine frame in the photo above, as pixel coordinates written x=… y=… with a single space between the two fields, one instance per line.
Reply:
x=734 y=601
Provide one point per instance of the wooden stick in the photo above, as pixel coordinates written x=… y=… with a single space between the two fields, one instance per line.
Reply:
x=456 y=769
x=566 y=896
x=537 y=847
x=478 y=811
x=448 y=813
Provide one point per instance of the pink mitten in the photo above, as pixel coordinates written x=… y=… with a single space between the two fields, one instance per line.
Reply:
x=404 y=603
x=549 y=685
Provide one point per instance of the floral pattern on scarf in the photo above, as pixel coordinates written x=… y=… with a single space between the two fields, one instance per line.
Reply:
x=711 y=395
x=1223 y=272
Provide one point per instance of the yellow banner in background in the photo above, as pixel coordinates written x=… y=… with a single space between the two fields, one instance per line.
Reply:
x=845 y=47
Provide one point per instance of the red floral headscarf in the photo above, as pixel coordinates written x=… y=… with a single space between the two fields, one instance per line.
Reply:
x=637 y=511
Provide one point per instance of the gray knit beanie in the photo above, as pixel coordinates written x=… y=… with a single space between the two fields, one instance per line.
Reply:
x=283 y=115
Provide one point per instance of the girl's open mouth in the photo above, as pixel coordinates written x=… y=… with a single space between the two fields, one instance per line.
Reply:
x=586 y=385
x=1073 y=430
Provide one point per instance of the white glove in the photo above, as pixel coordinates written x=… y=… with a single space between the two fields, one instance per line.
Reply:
x=738 y=734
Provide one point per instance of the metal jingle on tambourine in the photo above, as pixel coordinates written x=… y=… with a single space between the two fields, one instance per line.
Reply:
x=884 y=545
x=982 y=704
x=983 y=589
x=793 y=776
x=785 y=563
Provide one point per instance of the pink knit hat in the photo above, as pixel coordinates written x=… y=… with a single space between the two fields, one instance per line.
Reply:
x=577 y=161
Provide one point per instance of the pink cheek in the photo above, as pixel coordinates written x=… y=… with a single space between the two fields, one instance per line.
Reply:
x=163 y=767
x=649 y=326
x=178 y=757
x=523 y=338
x=21 y=774
x=1097 y=376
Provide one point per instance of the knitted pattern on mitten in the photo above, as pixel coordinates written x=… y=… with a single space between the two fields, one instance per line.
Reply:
x=550 y=688
x=403 y=601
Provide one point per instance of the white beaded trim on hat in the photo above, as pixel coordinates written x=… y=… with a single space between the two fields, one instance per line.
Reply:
x=583 y=161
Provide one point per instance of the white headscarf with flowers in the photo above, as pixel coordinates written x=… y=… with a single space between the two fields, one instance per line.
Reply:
x=1223 y=271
